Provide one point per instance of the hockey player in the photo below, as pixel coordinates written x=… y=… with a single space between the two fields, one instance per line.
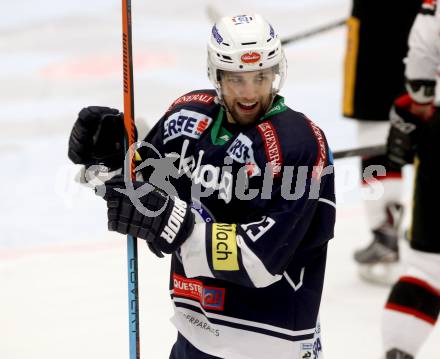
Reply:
x=246 y=281
x=413 y=305
x=376 y=45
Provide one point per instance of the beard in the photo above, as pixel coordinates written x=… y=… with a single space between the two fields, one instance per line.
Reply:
x=243 y=117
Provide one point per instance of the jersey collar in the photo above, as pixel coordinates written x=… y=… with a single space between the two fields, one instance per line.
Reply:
x=220 y=135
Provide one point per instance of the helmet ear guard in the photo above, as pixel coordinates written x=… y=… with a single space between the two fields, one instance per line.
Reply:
x=245 y=43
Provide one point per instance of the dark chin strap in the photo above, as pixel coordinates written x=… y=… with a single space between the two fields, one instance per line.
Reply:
x=222 y=103
x=269 y=106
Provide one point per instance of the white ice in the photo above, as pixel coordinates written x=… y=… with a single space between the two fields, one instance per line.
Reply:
x=62 y=274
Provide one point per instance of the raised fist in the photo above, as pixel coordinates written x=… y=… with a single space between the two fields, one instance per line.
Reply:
x=97 y=137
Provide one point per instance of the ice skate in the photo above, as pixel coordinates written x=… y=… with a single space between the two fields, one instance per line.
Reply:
x=379 y=261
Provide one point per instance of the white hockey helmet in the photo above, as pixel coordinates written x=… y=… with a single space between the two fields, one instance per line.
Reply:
x=245 y=43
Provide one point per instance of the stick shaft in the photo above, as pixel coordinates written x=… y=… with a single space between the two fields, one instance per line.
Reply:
x=361 y=151
x=133 y=303
x=214 y=15
x=127 y=57
x=132 y=256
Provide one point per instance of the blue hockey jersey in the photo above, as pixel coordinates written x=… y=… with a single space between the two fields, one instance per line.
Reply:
x=247 y=283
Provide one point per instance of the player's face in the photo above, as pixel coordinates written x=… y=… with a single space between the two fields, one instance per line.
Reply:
x=247 y=95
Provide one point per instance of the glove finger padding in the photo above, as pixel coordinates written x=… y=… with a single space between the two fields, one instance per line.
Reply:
x=164 y=222
x=91 y=116
x=83 y=131
x=112 y=212
x=155 y=250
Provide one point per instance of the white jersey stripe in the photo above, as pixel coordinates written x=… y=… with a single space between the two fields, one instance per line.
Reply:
x=331 y=203
x=290 y=281
x=249 y=323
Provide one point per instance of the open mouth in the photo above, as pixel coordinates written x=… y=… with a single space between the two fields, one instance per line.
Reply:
x=247 y=106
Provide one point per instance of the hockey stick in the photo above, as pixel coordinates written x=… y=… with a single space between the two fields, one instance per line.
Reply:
x=132 y=256
x=214 y=15
x=368 y=151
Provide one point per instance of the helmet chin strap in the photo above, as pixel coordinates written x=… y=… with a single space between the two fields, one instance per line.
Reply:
x=269 y=106
x=228 y=112
x=221 y=101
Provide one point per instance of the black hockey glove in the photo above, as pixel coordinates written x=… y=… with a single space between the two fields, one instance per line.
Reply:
x=97 y=137
x=164 y=222
x=406 y=126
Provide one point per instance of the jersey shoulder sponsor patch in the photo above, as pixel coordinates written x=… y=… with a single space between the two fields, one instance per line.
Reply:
x=272 y=146
x=321 y=159
x=200 y=97
x=185 y=123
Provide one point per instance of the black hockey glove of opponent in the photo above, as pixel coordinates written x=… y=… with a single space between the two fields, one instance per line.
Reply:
x=407 y=120
x=148 y=213
x=97 y=137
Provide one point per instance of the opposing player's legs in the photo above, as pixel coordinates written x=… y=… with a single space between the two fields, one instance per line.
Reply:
x=377 y=261
x=413 y=306
x=371 y=84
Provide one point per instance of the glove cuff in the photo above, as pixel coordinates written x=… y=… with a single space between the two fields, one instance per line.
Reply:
x=179 y=226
